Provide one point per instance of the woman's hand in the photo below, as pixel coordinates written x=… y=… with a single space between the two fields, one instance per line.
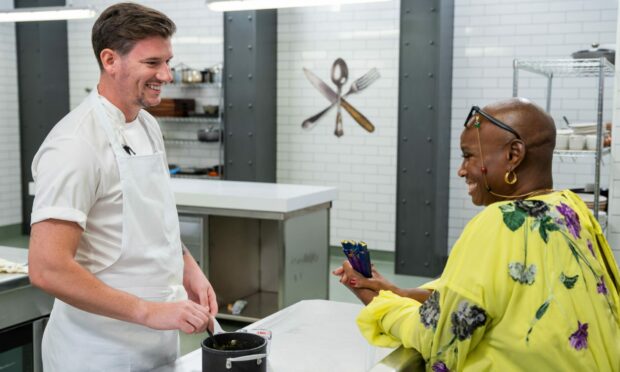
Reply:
x=353 y=279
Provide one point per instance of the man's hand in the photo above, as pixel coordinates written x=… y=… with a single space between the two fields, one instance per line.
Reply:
x=186 y=316
x=199 y=289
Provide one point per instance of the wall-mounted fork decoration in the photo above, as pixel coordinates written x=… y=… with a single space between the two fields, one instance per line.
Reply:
x=339 y=76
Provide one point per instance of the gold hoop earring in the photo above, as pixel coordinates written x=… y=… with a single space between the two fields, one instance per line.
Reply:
x=507 y=177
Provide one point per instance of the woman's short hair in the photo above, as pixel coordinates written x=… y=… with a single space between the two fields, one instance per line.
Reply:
x=121 y=25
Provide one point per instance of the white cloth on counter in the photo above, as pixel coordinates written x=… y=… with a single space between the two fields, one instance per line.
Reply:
x=76 y=178
x=8 y=267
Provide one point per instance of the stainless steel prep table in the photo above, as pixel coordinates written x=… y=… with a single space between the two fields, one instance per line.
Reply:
x=22 y=304
x=317 y=335
x=262 y=242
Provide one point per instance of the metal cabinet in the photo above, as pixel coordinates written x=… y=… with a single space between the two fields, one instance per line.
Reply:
x=597 y=68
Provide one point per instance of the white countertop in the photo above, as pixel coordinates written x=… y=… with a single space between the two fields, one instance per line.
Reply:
x=250 y=196
x=254 y=196
x=309 y=336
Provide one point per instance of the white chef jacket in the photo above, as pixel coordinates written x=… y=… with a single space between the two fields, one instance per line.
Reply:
x=76 y=178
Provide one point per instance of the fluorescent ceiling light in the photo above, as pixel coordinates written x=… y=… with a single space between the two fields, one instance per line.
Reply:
x=233 y=5
x=47 y=13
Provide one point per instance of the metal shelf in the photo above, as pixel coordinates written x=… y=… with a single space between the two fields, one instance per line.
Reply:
x=196 y=176
x=184 y=141
x=194 y=85
x=188 y=119
x=580 y=153
x=567 y=67
x=597 y=68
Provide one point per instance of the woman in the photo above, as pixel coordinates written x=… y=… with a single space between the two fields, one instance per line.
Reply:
x=531 y=284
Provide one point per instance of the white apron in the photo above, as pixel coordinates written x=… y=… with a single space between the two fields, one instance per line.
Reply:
x=150 y=266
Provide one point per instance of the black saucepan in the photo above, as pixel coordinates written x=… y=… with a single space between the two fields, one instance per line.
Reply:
x=234 y=352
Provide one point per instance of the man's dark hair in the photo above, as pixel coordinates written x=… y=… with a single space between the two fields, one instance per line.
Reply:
x=121 y=25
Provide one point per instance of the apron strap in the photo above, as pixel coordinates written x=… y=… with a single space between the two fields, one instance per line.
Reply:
x=106 y=124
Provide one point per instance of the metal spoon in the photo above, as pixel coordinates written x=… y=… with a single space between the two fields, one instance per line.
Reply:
x=340 y=74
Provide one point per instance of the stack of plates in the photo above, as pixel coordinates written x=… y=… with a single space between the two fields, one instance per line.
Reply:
x=589 y=200
x=583 y=128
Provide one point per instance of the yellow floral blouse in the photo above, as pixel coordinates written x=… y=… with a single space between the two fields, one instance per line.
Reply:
x=531 y=285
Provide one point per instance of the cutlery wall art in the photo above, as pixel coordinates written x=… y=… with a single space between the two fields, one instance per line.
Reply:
x=340 y=76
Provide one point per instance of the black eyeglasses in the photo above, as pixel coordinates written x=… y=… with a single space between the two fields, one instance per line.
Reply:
x=476 y=109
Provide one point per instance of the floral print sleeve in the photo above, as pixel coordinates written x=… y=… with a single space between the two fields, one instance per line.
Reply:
x=444 y=329
x=529 y=285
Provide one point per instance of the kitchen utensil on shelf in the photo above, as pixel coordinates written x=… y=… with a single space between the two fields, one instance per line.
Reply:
x=596 y=51
x=191 y=76
x=211 y=111
x=329 y=93
x=340 y=75
x=359 y=84
x=209 y=135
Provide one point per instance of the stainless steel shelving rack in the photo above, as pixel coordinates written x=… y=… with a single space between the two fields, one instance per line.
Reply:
x=588 y=68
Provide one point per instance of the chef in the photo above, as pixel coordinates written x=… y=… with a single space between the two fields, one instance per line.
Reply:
x=105 y=231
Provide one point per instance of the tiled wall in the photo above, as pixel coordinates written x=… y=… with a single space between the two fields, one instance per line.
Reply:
x=360 y=164
x=488 y=35
x=613 y=233
x=197 y=44
x=10 y=182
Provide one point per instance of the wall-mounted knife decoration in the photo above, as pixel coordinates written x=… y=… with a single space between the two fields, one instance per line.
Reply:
x=339 y=76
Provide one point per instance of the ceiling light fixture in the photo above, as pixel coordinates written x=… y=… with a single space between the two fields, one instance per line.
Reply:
x=235 y=5
x=47 y=13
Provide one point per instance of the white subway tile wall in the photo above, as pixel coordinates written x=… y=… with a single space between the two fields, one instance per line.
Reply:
x=198 y=43
x=613 y=230
x=361 y=165
x=488 y=35
x=10 y=182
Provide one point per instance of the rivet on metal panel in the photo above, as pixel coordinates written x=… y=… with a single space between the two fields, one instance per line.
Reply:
x=249 y=18
x=430 y=74
x=427 y=234
x=250 y=105
x=425 y=264
x=230 y=162
x=404 y=201
x=250 y=76
x=250 y=134
x=250 y=46
x=406 y=75
x=431 y=42
x=230 y=105
x=405 y=107
x=229 y=134
x=405 y=139
x=402 y=232
x=407 y=11
x=406 y=43
x=402 y=262
x=430 y=107
x=427 y=202
x=229 y=47
x=429 y=139
x=428 y=170
x=404 y=170
x=433 y=9
x=229 y=19
x=250 y=162
x=229 y=76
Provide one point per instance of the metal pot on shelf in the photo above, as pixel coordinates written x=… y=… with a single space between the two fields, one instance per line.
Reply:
x=210 y=134
x=191 y=76
x=596 y=51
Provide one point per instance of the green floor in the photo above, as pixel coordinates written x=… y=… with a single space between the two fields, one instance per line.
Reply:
x=384 y=262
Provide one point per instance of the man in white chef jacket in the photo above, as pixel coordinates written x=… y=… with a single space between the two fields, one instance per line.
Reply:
x=105 y=231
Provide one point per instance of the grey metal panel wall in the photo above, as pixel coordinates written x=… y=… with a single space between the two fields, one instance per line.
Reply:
x=43 y=84
x=423 y=136
x=250 y=42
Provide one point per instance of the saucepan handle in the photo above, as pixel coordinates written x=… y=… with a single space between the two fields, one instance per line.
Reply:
x=245 y=358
